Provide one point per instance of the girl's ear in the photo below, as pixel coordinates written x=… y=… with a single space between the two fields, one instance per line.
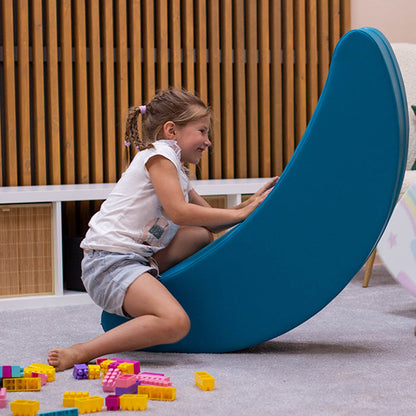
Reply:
x=169 y=130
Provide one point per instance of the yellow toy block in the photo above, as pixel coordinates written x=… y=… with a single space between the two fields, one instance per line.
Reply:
x=204 y=381
x=126 y=368
x=94 y=371
x=104 y=365
x=158 y=392
x=24 y=407
x=43 y=368
x=133 y=401
x=89 y=404
x=70 y=396
x=22 y=384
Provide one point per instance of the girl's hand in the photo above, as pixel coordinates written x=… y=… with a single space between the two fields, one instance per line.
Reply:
x=267 y=186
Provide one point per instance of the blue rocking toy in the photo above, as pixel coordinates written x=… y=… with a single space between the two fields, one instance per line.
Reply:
x=319 y=224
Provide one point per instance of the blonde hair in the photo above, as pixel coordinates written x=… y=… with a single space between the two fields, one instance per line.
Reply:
x=176 y=105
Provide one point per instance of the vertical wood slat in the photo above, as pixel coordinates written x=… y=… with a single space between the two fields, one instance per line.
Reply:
x=227 y=108
x=300 y=69
x=95 y=110
x=188 y=45
x=148 y=49
x=276 y=88
x=162 y=71
x=312 y=57
x=288 y=81
x=39 y=129
x=122 y=96
x=334 y=24
x=23 y=97
x=252 y=91
x=214 y=85
x=67 y=115
x=264 y=89
x=323 y=42
x=201 y=78
x=53 y=106
x=175 y=42
x=239 y=90
x=9 y=94
x=81 y=92
x=109 y=102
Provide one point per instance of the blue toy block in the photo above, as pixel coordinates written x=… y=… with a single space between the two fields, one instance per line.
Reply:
x=71 y=411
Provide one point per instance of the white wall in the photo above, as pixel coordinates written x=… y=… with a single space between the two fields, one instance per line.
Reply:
x=395 y=18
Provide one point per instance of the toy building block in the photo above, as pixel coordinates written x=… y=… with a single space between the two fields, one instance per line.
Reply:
x=158 y=393
x=6 y=371
x=133 y=401
x=80 y=371
x=45 y=369
x=24 y=407
x=22 y=384
x=120 y=361
x=28 y=373
x=98 y=361
x=109 y=382
x=72 y=411
x=70 y=396
x=154 y=379
x=126 y=390
x=94 y=371
x=104 y=365
x=3 y=393
x=204 y=381
x=89 y=404
x=125 y=380
x=126 y=368
x=112 y=402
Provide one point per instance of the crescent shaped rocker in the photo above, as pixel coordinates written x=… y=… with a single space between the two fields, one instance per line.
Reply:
x=319 y=224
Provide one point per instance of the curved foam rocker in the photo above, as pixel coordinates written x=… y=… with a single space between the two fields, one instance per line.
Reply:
x=317 y=227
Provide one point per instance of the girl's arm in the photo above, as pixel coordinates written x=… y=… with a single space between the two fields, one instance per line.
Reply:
x=165 y=181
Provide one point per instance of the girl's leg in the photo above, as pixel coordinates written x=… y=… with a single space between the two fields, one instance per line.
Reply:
x=159 y=319
x=187 y=241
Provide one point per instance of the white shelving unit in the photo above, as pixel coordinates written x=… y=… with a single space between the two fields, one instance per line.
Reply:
x=233 y=189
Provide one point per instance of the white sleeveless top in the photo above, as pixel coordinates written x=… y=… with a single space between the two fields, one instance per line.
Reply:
x=132 y=219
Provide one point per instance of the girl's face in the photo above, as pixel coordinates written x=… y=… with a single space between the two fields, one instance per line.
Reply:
x=193 y=139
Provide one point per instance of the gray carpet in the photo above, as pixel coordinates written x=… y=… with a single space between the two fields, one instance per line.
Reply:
x=356 y=357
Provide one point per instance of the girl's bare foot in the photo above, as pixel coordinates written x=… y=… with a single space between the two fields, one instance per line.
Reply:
x=64 y=358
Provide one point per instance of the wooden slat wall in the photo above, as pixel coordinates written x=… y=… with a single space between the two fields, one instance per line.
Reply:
x=69 y=69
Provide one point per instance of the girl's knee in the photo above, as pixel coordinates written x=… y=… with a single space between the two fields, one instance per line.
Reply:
x=205 y=236
x=177 y=326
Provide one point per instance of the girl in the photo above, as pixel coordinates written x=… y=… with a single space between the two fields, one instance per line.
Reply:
x=152 y=220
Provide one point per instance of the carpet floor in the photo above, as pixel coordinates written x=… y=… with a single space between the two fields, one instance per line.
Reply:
x=355 y=357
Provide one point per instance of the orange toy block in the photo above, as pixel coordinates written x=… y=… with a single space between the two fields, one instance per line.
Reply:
x=204 y=381
x=133 y=401
x=157 y=392
x=89 y=404
x=70 y=396
x=22 y=384
x=24 y=407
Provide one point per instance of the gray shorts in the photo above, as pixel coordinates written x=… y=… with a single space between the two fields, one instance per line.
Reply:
x=107 y=276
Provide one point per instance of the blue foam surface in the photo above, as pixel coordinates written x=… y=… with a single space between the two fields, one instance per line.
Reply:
x=317 y=227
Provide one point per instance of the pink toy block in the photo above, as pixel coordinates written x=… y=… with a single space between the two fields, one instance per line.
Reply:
x=125 y=380
x=136 y=364
x=3 y=398
x=112 y=402
x=43 y=377
x=127 y=390
x=154 y=379
x=109 y=382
